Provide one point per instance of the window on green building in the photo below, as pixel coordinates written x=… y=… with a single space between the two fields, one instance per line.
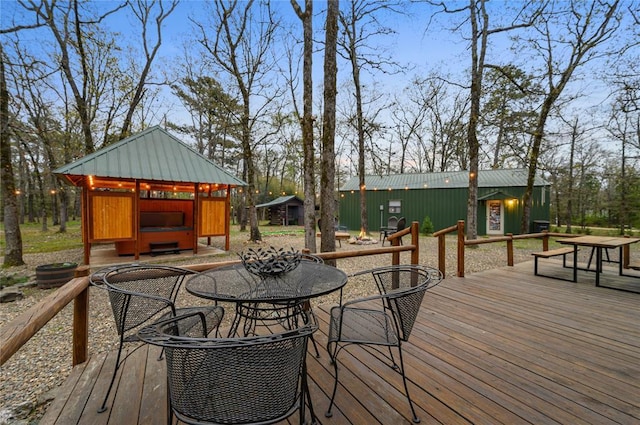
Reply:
x=395 y=206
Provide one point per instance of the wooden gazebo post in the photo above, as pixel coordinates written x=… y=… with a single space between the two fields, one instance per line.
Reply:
x=227 y=219
x=196 y=219
x=136 y=220
x=84 y=214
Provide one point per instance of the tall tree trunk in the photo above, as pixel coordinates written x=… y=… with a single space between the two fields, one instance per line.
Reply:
x=13 y=237
x=254 y=231
x=64 y=210
x=327 y=196
x=364 y=218
x=477 y=64
x=571 y=179
x=307 y=126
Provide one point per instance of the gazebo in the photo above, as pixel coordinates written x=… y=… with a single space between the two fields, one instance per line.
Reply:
x=151 y=193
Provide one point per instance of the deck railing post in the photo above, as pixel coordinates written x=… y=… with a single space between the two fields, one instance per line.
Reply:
x=625 y=255
x=81 y=322
x=441 y=254
x=510 y=249
x=460 y=248
x=415 y=235
x=545 y=240
x=395 y=256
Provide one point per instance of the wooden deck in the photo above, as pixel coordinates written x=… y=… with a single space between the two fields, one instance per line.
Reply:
x=497 y=347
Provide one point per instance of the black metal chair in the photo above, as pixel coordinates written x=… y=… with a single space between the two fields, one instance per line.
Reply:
x=385 y=319
x=140 y=294
x=390 y=228
x=249 y=380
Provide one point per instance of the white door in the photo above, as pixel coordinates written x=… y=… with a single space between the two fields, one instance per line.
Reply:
x=495 y=211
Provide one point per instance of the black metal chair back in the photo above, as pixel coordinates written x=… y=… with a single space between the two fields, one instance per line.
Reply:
x=392 y=222
x=140 y=294
x=385 y=319
x=405 y=287
x=250 y=380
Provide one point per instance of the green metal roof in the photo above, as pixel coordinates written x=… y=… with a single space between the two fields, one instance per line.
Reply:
x=448 y=179
x=153 y=154
x=279 y=201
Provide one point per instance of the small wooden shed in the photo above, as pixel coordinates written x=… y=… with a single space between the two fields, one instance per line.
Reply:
x=285 y=210
x=443 y=198
x=151 y=193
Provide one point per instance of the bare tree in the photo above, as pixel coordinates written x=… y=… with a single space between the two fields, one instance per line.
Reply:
x=586 y=29
x=409 y=116
x=327 y=177
x=624 y=127
x=481 y=31
x=67 y=25
x=13 y=237
x=143 y=10
x=240 y=45
x=11 y=214
x=360 y=24
x=437 y=111
x=306 y=17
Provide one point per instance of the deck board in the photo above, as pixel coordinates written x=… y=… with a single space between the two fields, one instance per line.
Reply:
x=500 y=347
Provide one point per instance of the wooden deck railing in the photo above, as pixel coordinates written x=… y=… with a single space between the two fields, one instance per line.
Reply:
x=509 y=238
x=21 y=329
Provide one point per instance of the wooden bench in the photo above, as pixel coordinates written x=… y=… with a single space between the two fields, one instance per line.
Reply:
x=549 y=254
x=164 y=247
x=340 y=236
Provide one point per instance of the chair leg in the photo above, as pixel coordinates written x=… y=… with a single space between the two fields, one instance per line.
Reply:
x=169 y=409
x=305 y=397
x=103 y=408
x=329 y=413
x=416 y=420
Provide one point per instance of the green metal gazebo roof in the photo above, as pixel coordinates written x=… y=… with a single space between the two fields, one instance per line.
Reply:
x=449 y=179
x=153 y=154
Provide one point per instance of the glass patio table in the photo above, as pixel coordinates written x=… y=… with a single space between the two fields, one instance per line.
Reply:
x=282 y=297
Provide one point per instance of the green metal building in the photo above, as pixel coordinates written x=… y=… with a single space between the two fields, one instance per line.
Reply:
x=443 y=198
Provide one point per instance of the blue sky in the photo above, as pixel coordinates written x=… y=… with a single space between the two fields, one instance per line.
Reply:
x=414 y=47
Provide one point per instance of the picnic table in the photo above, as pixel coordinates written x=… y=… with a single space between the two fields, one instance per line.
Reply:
x=598 y=243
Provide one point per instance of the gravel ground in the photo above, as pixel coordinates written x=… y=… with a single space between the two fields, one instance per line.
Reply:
x=29 y=379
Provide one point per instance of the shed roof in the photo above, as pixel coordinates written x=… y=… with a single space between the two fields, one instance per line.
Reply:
x=280 y=201
x=450 y=179
x=153 y=154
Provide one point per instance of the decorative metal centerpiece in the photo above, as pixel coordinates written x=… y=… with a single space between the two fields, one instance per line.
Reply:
x=270 y=261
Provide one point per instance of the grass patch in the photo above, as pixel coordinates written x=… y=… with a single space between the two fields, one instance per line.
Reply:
x=35 y=241
x=11 y=280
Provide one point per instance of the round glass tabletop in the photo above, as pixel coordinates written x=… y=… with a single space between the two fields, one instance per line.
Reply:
x=236 y=284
